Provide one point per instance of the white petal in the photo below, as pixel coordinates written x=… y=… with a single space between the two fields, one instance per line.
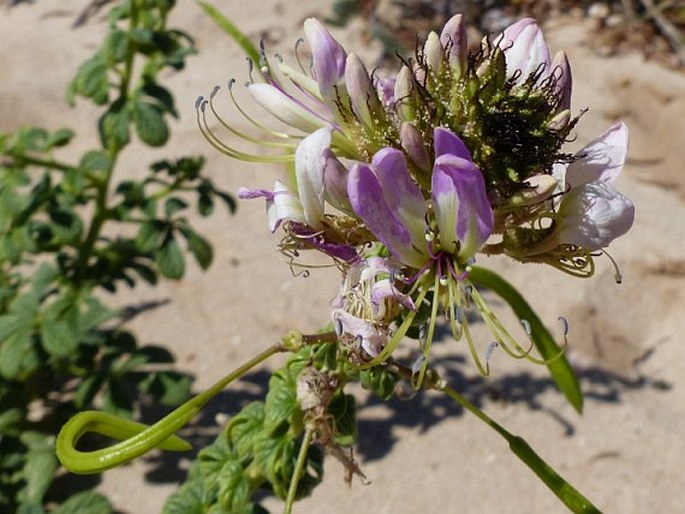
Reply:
x=310 y=162
x=593 y=215
x=602 y=159
x=285 y=108
x=285 y=206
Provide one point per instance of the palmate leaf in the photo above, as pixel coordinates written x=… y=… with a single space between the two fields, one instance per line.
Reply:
x=559 y=367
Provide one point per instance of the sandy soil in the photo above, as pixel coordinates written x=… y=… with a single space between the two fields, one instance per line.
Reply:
x=626 y=451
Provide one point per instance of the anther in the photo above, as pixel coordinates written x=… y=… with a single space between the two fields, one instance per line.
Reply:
x=564 y=325
x=526 y=326
x=491 y=348
x=338 y=328
x=230 y=83
x=214 y=92
x=417 y=365
x=199 y=101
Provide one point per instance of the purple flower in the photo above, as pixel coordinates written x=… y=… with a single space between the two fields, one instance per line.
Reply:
x=386 y=198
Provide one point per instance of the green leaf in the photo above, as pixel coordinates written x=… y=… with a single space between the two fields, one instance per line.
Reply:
x=95 y=161
x=40 y=466
x=174 y=205
x=343 y=408
x=187 y=499
x=59 y=338
x=116 y=46
x=559 y=367
x=170 y=259
x=150 y=124
x=200 y=248
x=60 y=137
x=151 y=235
x=234 y=486
x=18 y=357
x=9 y=421
x=282 y=407
x=91 y=80
x=244 y=428
x=114 y=126
x=86 y=502
x=227 y=26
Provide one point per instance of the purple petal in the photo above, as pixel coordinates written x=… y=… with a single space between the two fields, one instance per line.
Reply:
x=360 y=89
x=385 y=289
x=413 y=144
x=335 y=183
x=461 y=205
x=250 y=194
x=328 y=56
x=369 y=203
x=447 y=142
x=453 y=36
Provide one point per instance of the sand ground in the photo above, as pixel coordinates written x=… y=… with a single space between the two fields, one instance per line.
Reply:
x=626 y=451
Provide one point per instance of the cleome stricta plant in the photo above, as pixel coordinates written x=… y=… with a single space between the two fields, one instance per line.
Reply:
x=403 y=179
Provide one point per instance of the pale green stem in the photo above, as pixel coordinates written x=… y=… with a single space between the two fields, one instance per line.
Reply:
x=299 y=469
x=137 y=437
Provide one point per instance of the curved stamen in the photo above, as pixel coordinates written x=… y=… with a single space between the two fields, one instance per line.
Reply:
x=227 y=150
x=241 y=134
x=249 y=118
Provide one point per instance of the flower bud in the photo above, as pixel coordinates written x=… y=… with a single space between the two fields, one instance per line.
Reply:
x=412 y=143
x=360 y=89
x=453 y=38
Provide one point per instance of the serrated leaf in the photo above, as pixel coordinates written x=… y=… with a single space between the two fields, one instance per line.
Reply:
x=244 y=428
x=150 y=124
x=281 y=402
x=170 y=259
x=87 y=502
x=188 y=499
x=234 y=487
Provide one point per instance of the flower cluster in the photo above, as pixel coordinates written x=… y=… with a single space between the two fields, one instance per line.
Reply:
x=403 y=179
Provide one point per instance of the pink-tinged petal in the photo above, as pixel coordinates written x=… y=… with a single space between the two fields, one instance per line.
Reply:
x=602 y=159
x=401 y=194
x=524 y=48
x=447 y=142
x=335 y=183
x=461 y=205
x=250 y=194
x=310 y=160
x=372 y=338
x=413 y=144
x=328 y=56
x=453 y=37
x=284 y=107
x=283 y=206
x=385 y=289
x=593 y=215
x=386 y=91
x=367 y=200
x=561 y=70
x=360 y=89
